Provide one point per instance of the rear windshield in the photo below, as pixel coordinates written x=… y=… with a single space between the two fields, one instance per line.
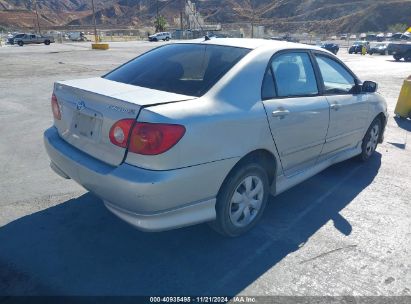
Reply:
x=188 y=69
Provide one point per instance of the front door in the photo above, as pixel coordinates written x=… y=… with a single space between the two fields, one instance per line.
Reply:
x=297 y=114
x=348 y=110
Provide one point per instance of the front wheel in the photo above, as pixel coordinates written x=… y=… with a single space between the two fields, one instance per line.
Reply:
x=241 y=200
x=47 y=42
x=167 y=38
x=397 y=57
x=20 y=43
x=370 y=140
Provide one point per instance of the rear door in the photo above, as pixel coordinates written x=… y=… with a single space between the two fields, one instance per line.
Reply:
x=348 y=110
x=297 y=113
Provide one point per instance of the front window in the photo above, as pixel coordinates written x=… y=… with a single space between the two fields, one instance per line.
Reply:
x=188 y=69
x=337 y=80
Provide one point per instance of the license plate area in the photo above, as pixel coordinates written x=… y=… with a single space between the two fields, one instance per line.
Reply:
x=87 y=123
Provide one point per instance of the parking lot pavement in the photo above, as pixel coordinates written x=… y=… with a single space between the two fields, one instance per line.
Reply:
x=346 y=231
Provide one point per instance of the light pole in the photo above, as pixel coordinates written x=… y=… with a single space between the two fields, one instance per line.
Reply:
x=94 y=22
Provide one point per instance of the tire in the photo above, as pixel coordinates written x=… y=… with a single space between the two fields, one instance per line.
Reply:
x=237 y=211
x=349 y=52
x=47 y=42
x=397 y=57
x=20 y=43
x=167 y=38
x=407 y=57
x=371 y=53
x=370 y=140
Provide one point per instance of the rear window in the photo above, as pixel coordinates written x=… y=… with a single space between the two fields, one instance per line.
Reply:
x=188 y=69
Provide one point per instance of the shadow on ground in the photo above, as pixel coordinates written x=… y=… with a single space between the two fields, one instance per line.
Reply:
x=403 y=123
x=79 y=248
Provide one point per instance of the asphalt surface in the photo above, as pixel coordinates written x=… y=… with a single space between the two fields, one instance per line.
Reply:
x=346 y=231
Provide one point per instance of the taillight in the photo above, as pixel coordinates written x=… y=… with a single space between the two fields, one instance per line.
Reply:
x=55 y=107
x=154 y=139
x=119 y=132
x=145 y=138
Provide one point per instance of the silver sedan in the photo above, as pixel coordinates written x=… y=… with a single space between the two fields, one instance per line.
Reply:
x=204 y=131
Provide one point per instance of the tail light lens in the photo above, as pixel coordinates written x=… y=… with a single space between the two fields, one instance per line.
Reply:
x=146 y=138
x=154 y=139
x=55 y=108
x=119 y=132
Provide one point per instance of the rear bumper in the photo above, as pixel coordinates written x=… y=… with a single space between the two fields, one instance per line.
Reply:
x=150 y=200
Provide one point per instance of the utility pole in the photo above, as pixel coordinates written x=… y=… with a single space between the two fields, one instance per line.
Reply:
x=182 y=5
x=94 y=21
x=157 y=9
x=37 y=16
x=252 y=18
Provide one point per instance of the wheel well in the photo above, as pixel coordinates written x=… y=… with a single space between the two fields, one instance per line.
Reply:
x=262 y=156
x=383 y=119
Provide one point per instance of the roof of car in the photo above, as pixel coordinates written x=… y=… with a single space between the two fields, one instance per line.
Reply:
x=253 y=43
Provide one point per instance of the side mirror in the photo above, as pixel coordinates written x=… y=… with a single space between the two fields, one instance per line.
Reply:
x=369 y=87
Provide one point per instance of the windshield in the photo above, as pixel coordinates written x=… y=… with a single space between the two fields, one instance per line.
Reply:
x=188 y=69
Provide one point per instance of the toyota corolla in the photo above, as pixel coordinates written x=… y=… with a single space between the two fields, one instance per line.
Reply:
x=205 y=131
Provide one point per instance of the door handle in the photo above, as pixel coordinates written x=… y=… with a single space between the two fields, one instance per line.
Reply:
x=280 y=113
x=335 y=106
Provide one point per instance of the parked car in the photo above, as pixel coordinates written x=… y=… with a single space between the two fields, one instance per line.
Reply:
x=10 y=40
x=356 y=47
x=77 y=36
x=165 y=36
x=379 y=48
x=286 y=37
x=400 y=50
x=33 y=39
x=332 y=47
x=371 y=37
x=399 y=36
x=203 y=131
x=380 y=37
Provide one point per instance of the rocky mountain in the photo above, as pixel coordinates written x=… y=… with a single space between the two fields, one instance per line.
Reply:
x=281 y=15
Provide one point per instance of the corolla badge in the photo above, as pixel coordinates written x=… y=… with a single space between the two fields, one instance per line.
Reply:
x=80 y=105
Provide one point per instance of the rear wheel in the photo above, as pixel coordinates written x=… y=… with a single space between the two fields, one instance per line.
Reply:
x=241 y=200
x=47 y=42
x=370 y=140
x=167 y=38
x=407 y=57
x=397 y=57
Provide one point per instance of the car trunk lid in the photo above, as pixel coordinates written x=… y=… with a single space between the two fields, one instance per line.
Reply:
x=90 y=107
